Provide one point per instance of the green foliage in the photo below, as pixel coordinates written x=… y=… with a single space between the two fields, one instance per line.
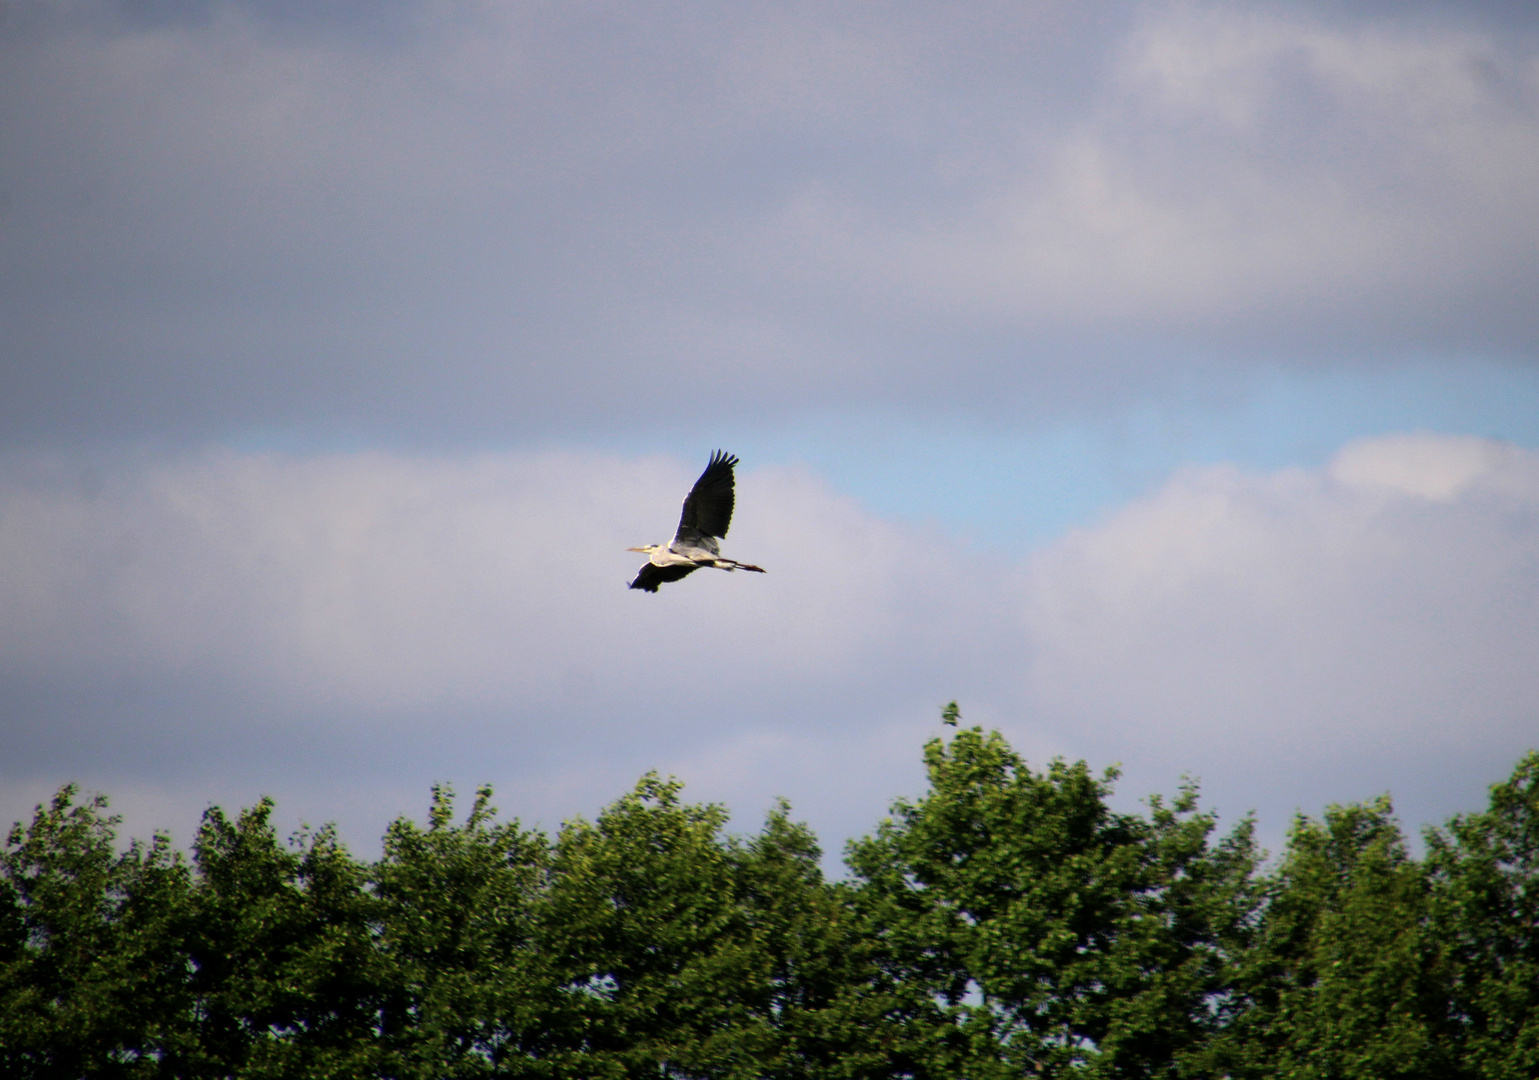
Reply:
x=464 y=991
x=1053 y=936
x=285 y=973
x=1346 y=978
x=1485 y=882
x=93 y=977
x=680 y=951
x=1007 y=923
x=649 y=943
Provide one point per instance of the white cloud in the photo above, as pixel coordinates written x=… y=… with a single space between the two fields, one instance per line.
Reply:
x=1434 y=468
x=1371 y=626
x=1292 y=637
x=388 y=582
x=340 y=630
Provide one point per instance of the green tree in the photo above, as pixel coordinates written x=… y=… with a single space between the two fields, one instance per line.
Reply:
x=468 y=994
x=286 y=974
x=1007 y=923
x=1032 y=930
x=653 y=949
x=93 y=980
x=827 y=1013
x=1346 y=978
x=681 y=951
x=1485 y=873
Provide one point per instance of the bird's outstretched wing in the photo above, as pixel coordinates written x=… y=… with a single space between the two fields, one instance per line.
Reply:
x=649 y=577
x=708 y=507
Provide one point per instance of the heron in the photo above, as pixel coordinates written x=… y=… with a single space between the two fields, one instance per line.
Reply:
x=707 y=514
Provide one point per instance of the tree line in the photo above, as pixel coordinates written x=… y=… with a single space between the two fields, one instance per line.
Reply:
x=1008 y=923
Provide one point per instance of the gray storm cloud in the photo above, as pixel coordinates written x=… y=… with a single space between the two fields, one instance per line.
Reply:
x=1289 y=636
x=453 y=222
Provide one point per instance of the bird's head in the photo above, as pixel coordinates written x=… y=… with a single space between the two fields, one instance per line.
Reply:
x=647 y=550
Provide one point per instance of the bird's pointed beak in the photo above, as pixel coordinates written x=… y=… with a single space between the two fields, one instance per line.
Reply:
x=635 y=549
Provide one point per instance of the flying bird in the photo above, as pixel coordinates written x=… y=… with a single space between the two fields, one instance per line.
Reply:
x=707 y=514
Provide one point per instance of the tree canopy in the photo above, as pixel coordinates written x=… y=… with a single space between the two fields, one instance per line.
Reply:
x=1006 y=923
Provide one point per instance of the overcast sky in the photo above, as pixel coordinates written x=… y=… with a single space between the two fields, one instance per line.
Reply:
x=1160 y=380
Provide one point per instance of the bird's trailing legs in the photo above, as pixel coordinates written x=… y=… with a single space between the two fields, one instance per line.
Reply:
x=733 y=564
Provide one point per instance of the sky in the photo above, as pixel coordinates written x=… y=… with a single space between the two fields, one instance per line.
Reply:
x=1159 y=381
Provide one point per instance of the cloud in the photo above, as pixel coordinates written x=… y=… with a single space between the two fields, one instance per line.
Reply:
x=1240 y=171
x=385 y=582
x=470 y=223
x=343 y=629
x=437 y=232
x=1370 y=626
x=315 y=621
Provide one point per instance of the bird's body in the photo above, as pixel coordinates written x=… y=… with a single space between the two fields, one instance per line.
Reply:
x=706 y=517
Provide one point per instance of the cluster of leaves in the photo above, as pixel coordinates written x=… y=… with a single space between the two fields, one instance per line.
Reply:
x=1009 y=923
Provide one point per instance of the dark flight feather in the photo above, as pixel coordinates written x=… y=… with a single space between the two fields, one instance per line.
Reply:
x=650 y=577
x=708 y=506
